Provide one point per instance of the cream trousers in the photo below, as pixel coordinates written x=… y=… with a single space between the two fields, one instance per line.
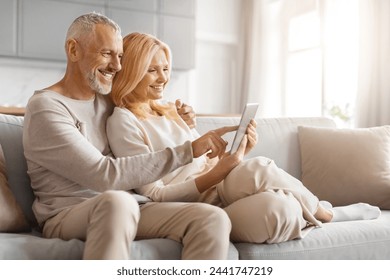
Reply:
x=265 y=204
x=109 y=222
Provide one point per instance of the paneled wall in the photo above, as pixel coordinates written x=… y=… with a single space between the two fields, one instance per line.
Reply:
x=201 y=33
x=38 y=27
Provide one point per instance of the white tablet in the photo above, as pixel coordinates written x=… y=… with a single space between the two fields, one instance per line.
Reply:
x=248 y=114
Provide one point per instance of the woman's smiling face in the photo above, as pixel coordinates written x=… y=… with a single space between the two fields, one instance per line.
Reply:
x=152 y=85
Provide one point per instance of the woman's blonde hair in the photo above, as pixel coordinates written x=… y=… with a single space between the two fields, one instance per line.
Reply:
x=138 y=52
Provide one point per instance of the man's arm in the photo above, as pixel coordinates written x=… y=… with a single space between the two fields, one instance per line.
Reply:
x=53 y=142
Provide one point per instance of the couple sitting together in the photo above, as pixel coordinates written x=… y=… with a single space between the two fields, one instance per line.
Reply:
x=102 y=134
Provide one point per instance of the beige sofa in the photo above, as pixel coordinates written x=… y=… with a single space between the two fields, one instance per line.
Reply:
x=278 y=140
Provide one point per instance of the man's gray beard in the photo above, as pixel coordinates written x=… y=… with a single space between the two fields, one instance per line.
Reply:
x=95 y=85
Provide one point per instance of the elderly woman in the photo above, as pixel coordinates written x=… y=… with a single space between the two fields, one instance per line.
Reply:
x=264 y=203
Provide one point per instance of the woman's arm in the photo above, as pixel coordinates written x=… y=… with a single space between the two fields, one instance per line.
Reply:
x=222 y=168
x=128 y=136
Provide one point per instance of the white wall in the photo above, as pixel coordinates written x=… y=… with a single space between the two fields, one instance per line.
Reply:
x=209 y=88
x=214 y=81
x=20 y=78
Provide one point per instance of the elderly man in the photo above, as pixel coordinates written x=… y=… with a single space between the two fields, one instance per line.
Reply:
x=81 y=190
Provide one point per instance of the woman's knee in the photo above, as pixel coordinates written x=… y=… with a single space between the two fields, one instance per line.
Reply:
x=247 y=179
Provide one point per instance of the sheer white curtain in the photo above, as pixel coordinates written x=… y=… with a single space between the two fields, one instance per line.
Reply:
x=265 y=42
x=373 y=98
x=254 y=57
x=355 y=63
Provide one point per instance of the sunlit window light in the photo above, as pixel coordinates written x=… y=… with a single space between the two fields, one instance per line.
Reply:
x=321 y=62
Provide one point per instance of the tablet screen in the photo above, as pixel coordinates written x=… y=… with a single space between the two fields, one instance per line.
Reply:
x=248 y=114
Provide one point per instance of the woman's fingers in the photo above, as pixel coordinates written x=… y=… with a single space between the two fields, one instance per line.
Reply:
x=214 y=145
x=225 y=129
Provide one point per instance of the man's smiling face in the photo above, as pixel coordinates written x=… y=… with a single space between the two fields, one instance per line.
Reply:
x=101 y=59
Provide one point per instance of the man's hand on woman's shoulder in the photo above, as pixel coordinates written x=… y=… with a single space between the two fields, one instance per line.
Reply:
x=186 y=112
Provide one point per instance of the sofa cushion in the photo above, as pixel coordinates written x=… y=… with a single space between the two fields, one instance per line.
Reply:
x=11 y=131
x=165 y=249
x=16 y=246
x=32 y=246
x=345 y=166
x=11 y=215
x=357 y=240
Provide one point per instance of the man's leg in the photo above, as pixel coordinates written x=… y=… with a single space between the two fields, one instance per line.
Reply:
x=107 y=223
x=202 y=229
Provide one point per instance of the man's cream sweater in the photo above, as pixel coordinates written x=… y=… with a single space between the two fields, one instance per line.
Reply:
x=69 y=159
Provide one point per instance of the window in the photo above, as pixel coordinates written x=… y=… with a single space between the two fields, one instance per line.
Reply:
x=320 y=65
x=304 y=64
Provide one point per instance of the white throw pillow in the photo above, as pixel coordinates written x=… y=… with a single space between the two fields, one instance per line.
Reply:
x=345 y=166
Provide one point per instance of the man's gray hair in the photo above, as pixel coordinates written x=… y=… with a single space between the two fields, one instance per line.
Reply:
x=85 y=24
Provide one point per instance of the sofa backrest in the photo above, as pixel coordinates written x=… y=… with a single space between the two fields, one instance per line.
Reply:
x=11 y=131
x=278 y=137
x=278 y=140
